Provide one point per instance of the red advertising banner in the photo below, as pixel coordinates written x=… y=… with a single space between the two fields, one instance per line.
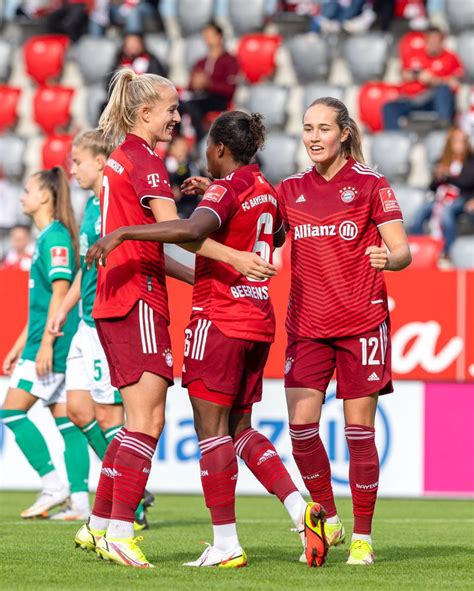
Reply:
x=432 y=321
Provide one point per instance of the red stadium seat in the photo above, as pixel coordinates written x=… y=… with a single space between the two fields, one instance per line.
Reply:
x=256 y=54
x=52 y=107
x=9 y=97
x=410 y=46
x=44 y=56
x=56 y=150
x=425 y=252
x=372 y=97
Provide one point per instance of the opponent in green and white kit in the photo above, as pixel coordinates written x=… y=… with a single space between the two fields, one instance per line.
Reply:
x=37 y=361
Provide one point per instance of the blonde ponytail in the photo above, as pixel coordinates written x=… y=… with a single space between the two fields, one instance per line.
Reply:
x=55 y=181
x=352 y=147
x=128 y=92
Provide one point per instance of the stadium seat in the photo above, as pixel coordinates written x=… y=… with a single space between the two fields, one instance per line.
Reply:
x=460 y=14
x=367 y=56
x=410 y=200
x=194 y=50
x=270 y=100
x=95 y=58
x=409 y=47
x=6 y=56
x=193 y=16
x=44 y=56
x=96 y=96
x=56 y=150
x=256 y=53
x=390 y=154
x=52 y=107
x=9 y=97
x=310 y=57
x=279 y=156
x=462 y=252
x=247 y=15
x=372 y=97
x=434 y=145
x=465 y=49
x=159 y=46
x=425 y=252
x=317 y=90
x=12 y=152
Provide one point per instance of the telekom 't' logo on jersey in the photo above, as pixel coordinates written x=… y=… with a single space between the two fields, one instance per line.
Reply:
x=348 y=230
x=153 y=180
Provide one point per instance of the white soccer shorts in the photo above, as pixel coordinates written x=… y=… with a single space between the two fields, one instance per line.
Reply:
x=87 y=367
x=50 y=389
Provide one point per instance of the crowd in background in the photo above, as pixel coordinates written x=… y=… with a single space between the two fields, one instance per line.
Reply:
x=429 y=82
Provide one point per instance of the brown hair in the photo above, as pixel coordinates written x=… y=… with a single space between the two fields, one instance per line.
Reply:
x=128 y=92
x=353 y=145
x=93 y=140
x=55 y=181
x=447 y=156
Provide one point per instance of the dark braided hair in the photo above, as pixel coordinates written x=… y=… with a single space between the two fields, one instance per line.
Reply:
x=241 y=133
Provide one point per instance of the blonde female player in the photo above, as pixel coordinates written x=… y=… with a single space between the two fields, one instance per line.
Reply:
x=345 y=222
x=93 y=404
x=37 y=361
x=131 y=309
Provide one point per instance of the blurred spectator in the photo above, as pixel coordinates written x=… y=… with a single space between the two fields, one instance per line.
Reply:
x=134 y=54
x=354 y=16
x=21 y=249
x=212 y=80
x=70 y=18
x=180 y=166
x=132 y=14
x=453 y=185
x=384 y=13
x=429 y=84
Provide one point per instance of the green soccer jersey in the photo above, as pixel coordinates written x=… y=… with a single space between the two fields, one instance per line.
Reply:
x=53 y=259
x=90 y=233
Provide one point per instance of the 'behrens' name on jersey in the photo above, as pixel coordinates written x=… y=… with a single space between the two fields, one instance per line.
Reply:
x=247 y=291
x=246 y=205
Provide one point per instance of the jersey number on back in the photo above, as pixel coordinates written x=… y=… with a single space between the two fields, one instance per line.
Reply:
x=261 y=247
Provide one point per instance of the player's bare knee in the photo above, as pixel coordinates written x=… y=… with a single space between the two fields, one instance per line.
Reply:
x=78 y=416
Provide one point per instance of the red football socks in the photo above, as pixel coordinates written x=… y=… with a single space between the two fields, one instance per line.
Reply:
x=104 y=496
x=132 y=468
x=219 y=472
x=363 y=475
x=313 y=464
x=263 y=461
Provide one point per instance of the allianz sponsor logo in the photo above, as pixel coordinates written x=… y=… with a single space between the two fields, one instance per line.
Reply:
x=270 y=453
x=347 y=230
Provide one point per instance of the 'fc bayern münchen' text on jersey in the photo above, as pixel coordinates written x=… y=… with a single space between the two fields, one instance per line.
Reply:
x=53 y=259
x=135 y=270
x=246 y=206
x=89 y=233
x=334 y=290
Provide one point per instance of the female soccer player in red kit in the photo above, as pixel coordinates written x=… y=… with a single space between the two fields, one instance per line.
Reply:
x=131 y=308
x=342 y=217
x=229 y=335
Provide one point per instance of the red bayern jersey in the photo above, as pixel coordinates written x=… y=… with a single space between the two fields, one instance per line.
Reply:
x=135 y=270
x=247 y=208
x=334 y=290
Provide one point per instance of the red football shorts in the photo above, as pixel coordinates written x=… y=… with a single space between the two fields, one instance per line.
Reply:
x=136 y=343
x=221 y=369
x=362 y=363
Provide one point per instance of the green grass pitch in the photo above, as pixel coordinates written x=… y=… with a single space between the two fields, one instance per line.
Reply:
x=422 y=544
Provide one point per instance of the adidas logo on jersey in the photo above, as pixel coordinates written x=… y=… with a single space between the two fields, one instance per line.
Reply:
x=373 y=377
x=301 y=199
x=270 y=453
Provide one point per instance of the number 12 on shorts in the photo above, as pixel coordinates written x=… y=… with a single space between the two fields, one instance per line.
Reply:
x=373 y=348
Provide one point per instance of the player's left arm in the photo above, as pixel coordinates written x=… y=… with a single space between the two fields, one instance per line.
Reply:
x=44 y=357
x=398 y=255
